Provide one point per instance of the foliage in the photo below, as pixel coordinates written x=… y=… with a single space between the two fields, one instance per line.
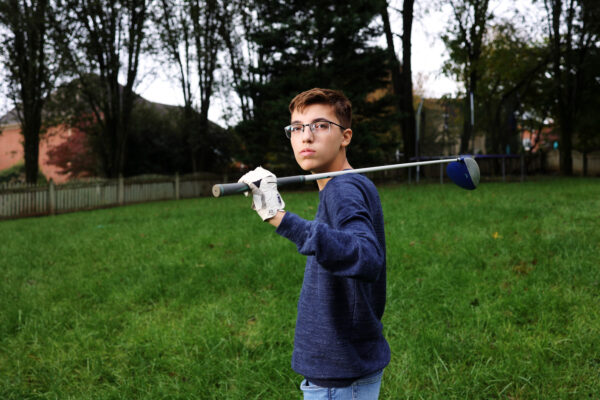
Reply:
x=156 y=144
x=440 y=130
x=196 y=299
x=587 y=129
x=300 y=45
x=99 y=42
x=75 y=157
x=16 y=174
x=258 y=54
x=159 y=144
x=189 y=36
x=522 y=82
x=514 y=91
x=25 y=51
x=464 y=40
x=573 y=33
x=401 y=74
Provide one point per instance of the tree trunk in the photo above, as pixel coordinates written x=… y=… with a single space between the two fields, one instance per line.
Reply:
x=562 y=88
x=468 y=124
x=566 y=146
x=31 y=134
x=28 y=72
x=408 y=111
x=401 y=76
x=465 y=138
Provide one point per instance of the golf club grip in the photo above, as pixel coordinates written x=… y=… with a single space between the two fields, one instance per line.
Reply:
x=225 y=189
x=287 y=180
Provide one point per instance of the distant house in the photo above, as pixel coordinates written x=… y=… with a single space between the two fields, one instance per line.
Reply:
x=11 y=141
x=11 y=146
x=535 y=140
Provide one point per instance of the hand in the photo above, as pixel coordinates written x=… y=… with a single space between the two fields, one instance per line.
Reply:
x=265 y=197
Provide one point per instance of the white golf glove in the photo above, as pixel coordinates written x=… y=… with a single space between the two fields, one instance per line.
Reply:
x=265 y=197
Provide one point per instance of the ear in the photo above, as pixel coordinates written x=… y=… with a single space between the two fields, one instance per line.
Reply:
x=347 y=137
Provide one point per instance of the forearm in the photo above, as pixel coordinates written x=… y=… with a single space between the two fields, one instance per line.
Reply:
x=276 y=220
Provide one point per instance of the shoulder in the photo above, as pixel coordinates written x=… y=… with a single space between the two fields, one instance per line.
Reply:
x=351 y=191
x=351 y=184
x=351 y=197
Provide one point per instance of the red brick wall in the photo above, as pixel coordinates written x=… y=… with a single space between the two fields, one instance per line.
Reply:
x=11 y=149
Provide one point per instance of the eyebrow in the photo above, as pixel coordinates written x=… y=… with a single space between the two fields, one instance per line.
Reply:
x=319 y=119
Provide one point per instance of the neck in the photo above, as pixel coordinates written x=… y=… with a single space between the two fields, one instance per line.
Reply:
x=322 y=182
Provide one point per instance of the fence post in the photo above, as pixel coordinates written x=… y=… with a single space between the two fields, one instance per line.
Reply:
x=503 y=168
x=51 y=197
x=176 y=185
x=121 y=190
x=441 y=173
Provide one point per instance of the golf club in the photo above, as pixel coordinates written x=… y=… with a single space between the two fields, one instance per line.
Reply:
x=463 y=171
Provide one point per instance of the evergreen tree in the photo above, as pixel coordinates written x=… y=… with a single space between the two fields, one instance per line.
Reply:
x=304 y=44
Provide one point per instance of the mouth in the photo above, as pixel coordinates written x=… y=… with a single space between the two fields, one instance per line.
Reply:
x=306 y=152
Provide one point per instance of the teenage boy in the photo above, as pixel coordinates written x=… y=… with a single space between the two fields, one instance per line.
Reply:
x=339 y=346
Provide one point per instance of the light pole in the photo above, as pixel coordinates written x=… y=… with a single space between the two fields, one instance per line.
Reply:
x=417 y=129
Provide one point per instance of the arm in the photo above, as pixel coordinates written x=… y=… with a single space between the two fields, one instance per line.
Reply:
x=276 y=220
x=349 y=246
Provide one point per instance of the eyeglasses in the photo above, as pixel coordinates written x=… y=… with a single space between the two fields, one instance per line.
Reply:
x=319 y=127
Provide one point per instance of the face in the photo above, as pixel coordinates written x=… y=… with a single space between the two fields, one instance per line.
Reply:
x=320 y=152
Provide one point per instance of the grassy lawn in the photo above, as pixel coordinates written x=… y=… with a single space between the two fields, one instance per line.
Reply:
x=493 y=293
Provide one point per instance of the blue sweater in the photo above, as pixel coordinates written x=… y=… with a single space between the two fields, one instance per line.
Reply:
x=338 y=330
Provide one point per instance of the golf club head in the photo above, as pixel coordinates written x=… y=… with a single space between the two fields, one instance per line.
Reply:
x=465 y=173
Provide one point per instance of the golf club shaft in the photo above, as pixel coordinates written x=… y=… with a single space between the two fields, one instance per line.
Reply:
x=225 y=189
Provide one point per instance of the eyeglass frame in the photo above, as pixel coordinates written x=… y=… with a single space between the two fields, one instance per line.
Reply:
x=311 y=127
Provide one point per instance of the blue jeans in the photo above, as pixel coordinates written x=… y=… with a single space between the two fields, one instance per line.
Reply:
x=366 y=388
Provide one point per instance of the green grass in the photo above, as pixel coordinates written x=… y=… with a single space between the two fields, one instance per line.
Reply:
x=493 y=293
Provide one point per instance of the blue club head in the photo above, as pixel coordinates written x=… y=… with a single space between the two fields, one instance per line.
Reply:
x=465 y=173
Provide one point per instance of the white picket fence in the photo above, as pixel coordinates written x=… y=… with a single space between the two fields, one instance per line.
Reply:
x=29 y=200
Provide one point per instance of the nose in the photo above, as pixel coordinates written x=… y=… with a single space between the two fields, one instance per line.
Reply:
x=307 y=134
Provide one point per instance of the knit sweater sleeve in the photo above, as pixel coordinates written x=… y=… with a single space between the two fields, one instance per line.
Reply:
x=345 y=242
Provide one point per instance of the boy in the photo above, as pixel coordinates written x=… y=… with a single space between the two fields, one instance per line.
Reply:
x=339 y=346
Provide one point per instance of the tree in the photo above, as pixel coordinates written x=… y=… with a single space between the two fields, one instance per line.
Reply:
x=298 y=45
x=24 y=38
x=512 y=89
x=587 y=138
x=237 y=22
x=189 y=32
x=101 y=43
x=573 y=32
x=401 y=74
x=74 y=156
x=464 y=41
x=161 y=145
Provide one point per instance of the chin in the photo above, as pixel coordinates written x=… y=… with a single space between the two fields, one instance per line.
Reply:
x=305 y=164
x=309 y=165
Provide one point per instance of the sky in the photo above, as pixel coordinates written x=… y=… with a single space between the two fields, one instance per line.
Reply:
x=428 y=51
x=428 y=55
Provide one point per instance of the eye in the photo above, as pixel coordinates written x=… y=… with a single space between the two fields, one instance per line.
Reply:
x=321 y=126
x=295 y=128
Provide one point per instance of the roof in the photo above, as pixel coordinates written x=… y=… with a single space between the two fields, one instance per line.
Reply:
x=10 y=118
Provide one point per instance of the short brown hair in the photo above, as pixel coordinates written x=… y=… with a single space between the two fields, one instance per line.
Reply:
x=334 y=98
